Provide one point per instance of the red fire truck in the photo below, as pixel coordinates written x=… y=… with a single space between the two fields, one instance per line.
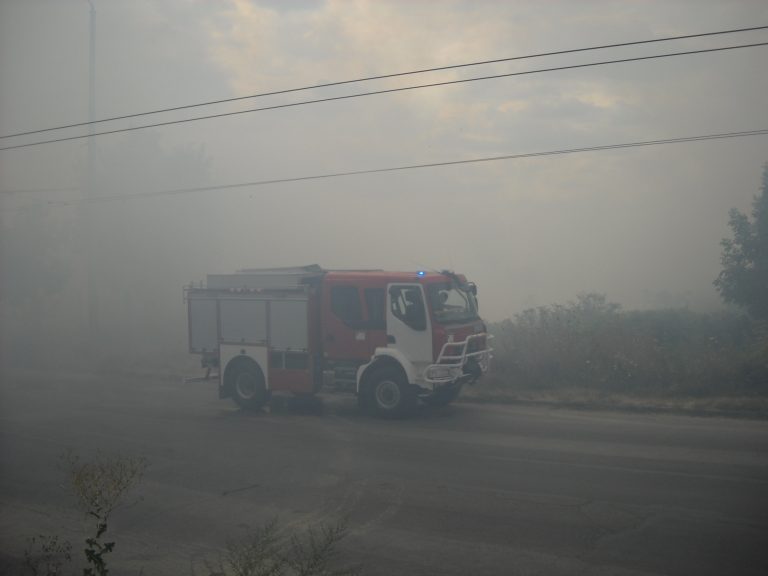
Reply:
x=393 y=338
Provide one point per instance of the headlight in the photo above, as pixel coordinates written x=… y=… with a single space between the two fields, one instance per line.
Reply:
x=443 y=372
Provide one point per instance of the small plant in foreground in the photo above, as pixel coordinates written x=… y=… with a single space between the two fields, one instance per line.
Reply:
x=272 y=552
x=99 y=486
x=46 y=555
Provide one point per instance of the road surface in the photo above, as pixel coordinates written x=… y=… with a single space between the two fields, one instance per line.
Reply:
x=468 y=489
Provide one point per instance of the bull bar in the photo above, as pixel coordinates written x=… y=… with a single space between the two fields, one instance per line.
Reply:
x=449 y=367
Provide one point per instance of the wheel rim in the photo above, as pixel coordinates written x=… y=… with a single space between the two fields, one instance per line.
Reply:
x=388 y=394
x=245 y=385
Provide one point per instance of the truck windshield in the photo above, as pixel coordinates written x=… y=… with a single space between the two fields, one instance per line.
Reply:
x=451 y=304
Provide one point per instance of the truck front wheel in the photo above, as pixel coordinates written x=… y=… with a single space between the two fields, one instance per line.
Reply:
x=247 y=385
x=388 y=394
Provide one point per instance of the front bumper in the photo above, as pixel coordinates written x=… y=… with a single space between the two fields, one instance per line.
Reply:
x=455 y=359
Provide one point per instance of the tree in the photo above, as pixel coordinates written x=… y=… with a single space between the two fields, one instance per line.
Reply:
x=744 y=277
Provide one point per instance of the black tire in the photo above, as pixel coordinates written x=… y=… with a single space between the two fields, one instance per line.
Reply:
x=388 y=394
x=249 y=390
x=443 y=397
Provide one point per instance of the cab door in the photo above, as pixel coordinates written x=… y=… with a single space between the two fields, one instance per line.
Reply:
x=408 y=324
x=344 y=330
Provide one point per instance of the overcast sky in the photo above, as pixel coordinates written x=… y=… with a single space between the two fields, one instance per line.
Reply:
x=642 y=225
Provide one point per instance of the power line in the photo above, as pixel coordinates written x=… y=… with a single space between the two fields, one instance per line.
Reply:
x=388 y=91
x=617 y=146
x=38 y=190
x=384 y=76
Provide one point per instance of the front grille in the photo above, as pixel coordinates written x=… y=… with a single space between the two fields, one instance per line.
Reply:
x=476 y=345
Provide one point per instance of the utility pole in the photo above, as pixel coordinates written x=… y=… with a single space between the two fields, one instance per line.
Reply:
x=88 y=221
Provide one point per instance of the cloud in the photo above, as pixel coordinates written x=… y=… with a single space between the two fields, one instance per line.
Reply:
x=262 y=48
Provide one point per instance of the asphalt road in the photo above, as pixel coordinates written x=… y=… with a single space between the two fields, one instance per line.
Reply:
x=469 y=489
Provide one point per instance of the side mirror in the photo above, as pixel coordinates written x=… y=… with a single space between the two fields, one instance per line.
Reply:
x=473 y=288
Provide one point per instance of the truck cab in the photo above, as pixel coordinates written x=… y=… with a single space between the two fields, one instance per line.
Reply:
x=396 y=337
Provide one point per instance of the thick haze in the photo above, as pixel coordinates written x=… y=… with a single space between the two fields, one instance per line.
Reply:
x=642 y=225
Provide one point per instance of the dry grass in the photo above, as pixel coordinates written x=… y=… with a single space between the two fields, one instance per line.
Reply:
x=590 y=399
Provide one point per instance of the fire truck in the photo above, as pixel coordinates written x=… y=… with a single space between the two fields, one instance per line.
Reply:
x=393 y=338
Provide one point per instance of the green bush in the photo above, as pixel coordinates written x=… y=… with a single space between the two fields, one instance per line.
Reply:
x=592 y=344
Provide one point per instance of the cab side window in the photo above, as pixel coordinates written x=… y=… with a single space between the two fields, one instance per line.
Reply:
x=345 y=303
x=377 y=307
x=408 y=306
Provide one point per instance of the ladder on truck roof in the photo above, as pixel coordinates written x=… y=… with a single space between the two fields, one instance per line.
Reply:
x=264 y=278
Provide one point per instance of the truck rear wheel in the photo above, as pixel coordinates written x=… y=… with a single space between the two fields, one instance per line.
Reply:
x=388 y=394
x=248 y=388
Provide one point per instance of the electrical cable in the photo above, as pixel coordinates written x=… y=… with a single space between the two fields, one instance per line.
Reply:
x=617 y=146
x=388 y=91
x=38 y=191
x=384 y=76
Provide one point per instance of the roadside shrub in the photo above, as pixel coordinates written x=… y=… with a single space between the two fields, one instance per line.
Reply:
x=593 y=344
x=100 y=485
x=47 y=555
